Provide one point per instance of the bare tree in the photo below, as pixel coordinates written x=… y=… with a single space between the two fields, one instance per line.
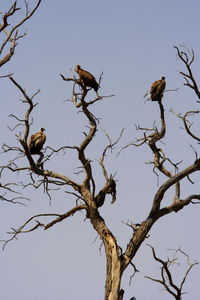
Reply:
x=87 y=197
x=167 y=280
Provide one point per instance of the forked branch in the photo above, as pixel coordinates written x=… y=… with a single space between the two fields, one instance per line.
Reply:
x=187 y=123
x=187 y=57
x=12 y=35
x=167 y=280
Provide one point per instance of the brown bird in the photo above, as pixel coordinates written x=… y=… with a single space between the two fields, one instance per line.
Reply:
x=86 y=78
x=157 y=89
x=36 y=142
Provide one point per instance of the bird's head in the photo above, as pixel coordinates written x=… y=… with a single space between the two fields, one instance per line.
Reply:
x=163 y=77
x=42 y=129
x=77 y=68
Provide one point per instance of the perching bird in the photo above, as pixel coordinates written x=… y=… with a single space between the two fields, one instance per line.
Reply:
x=86 y=78
x=157 y=89
x=36 y=142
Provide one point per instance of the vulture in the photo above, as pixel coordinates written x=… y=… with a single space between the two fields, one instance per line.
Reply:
x=86 y=78
x=36 y=142
x=157 y=89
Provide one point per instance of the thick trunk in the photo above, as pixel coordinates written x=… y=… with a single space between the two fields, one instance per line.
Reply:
x=113 y=269
x=113 y=258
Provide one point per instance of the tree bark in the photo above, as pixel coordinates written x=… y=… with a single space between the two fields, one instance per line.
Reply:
x=113 y=257
x=113 y=269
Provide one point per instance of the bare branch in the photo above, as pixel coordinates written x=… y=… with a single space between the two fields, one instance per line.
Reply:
x=29 y=101
x=12 y=36
x=15 y=232
x=187 y=57
x=66 y=215
x=135 y=271
x=109 y=146
x=178 y=204
x=173 y=180
x=187 y=122
x=7 y=75
x=8 y=187
x=7 y=14
x=166 y=275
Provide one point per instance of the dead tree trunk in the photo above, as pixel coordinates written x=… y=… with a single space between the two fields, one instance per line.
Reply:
x=113 y=257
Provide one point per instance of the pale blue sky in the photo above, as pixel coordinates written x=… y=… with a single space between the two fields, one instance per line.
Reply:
x=132 y=43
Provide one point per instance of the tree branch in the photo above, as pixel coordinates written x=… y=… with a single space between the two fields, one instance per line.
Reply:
x=66 y=215
x=15 y=232
x=166 y=275
x=12 y=36
x=187 y=57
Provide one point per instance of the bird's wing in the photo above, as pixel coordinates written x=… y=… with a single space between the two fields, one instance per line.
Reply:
x=162 y=86
x=154 y=86
x=32 y=139
x=40 y=140
x=86 y=76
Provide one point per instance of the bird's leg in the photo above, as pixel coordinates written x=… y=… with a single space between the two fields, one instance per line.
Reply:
x=39 y=161
x=98 y=96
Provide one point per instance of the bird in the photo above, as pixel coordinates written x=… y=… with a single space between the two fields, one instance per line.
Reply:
x=86 y=78
x=157 y=89
x=36 y=142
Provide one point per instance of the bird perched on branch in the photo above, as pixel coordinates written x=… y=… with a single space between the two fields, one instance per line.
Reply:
x=157 y=89
x=86 y=78
x=36 y=142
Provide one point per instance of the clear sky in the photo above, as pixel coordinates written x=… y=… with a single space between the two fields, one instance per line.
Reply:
x=132 y=43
